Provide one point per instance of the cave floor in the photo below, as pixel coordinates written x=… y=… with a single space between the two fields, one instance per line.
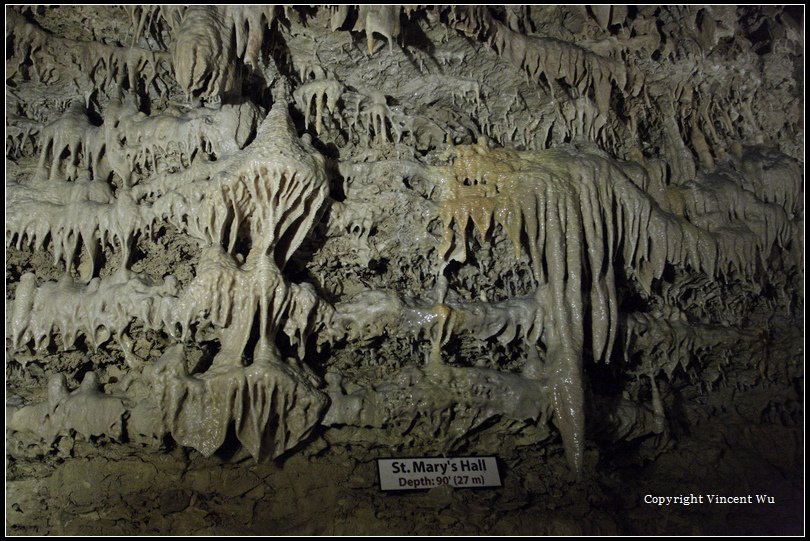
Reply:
x=125 y=490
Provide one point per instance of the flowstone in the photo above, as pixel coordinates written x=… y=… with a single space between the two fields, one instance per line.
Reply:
x=315 y=236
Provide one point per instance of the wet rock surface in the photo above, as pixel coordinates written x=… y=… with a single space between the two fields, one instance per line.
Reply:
x=250 y=249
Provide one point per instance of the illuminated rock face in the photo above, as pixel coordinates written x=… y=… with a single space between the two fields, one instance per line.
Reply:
x=261 y=227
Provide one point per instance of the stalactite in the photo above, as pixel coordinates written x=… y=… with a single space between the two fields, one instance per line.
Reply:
x=202 y=54
x=210 y=40
x=249 y=24
x=381 y=19
x=552 y=58
x=22 y=136
x=142 y=17
x=231 y=297
x=276 y=185
x=69 y=213
x=339 y=15
x=83 y=141
x=452 y=401
x=373 y=121
x=669 y=342
x=576 y=210
x=100 y=310
x=85 y=411
x=137 y=143
x=102 y=64
x=322 y=92
x=457 y=293
x=129 y=141
x=272 y=408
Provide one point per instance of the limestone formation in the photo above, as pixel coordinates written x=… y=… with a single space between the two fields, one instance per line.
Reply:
x=525 y=231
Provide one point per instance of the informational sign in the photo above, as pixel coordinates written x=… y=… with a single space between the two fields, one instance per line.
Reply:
x=427 y=473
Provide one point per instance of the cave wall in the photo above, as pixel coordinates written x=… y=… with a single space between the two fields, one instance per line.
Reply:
x=251 y=249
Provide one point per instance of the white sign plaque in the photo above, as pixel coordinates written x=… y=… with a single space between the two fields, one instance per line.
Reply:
x=426 y=473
